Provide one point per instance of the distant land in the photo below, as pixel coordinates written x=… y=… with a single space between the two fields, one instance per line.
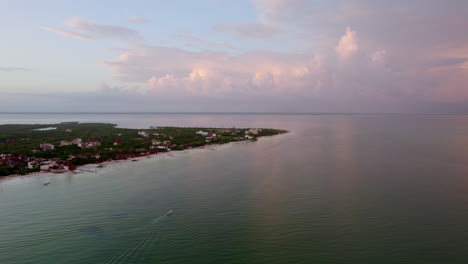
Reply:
x=62 y=147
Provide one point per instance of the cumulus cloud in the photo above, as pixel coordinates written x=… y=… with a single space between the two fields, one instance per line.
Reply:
x=347 y=46
x=176 y=71
x=356 y=53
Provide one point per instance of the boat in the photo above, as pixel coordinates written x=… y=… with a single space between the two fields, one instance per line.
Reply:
x=169 y=213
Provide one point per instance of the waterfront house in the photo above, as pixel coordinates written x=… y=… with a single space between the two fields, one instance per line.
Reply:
x=46 y=165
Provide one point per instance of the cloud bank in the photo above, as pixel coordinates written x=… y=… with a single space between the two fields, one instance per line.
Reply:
x=358 y=55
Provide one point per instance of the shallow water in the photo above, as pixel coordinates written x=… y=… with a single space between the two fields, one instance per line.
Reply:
x=336 y=189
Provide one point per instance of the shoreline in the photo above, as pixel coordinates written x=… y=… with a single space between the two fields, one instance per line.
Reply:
x=75 y=147
x=87 y=168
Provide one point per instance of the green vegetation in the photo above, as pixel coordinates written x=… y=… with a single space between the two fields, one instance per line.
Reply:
x=21 y=144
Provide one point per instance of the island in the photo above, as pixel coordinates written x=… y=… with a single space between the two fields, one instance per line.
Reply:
x=62 y=147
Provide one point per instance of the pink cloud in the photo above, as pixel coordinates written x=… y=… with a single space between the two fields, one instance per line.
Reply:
x=378 y=56
x=89 y=30
x=347 y=46
x=378 y=59
x=103 y=30
x=176 y=71
x=67 y=33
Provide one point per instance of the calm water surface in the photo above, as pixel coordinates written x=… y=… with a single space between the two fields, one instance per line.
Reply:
x=336 y=189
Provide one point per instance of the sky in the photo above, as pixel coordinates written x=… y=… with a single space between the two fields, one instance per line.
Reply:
x=317 y=56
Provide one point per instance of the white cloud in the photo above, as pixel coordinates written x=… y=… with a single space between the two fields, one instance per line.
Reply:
x=348 y=44
x=176 y=71
x=319 y=73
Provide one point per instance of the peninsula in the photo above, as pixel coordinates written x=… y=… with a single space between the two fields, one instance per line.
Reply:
x=62 y=147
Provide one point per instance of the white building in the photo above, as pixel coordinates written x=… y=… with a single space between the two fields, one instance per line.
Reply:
x=203 y=133
x=143 y=134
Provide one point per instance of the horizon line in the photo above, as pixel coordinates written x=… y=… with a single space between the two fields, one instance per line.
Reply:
x=241 y=113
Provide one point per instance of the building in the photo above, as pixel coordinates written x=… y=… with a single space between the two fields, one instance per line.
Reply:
x=78 y=142
x=65 y=143
x=46 y=146
x=92 y=143
x=253 y=131
x=46 y=165
x=143 y=134
x=203 y=133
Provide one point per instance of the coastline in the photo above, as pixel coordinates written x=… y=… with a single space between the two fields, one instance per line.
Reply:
x=73 y=147
x=94 y=167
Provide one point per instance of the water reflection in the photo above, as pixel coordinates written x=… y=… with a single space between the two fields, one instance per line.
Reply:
x=336 y=189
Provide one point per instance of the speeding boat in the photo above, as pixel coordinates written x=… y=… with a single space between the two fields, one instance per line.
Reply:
x=169 y=213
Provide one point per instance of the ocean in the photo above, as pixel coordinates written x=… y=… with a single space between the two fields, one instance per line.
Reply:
x=335 y=189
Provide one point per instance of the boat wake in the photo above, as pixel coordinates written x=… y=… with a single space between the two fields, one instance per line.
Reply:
x=134 y=251
x=157 y=219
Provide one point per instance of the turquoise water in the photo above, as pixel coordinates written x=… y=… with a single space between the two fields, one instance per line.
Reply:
x=336 y=189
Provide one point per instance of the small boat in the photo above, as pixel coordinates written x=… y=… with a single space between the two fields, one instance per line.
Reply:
x=47 y=183
x=169 y=213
